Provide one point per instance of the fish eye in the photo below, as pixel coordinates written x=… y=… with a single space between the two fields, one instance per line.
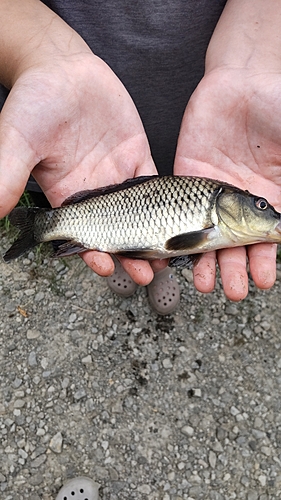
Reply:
x=261 y=203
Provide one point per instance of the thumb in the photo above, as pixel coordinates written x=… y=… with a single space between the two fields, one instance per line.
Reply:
x=17 y=160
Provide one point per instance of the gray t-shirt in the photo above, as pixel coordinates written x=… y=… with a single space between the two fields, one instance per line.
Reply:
x=157 y=49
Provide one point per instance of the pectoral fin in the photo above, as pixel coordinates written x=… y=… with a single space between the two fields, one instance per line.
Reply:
x=188 y=241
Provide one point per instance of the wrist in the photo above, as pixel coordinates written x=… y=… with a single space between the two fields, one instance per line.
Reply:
x=247 y=36
x=35 y=36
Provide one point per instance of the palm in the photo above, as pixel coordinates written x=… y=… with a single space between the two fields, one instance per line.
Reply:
x=79 y=126
x=230 y=132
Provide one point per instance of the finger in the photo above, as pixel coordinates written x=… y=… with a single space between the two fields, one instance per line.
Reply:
x=139 y=270
x=159 y=264
x=262 y=263
x=204 y=273
x=101 y=263
x=234 y=276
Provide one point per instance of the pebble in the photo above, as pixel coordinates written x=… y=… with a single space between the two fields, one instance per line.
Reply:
x=32 y=360
x=188 y=275
x=252 y=495
x=72 y=318
x=167 y=363
x=19 y=403
x=37 y=462
x=39 y=296
x=216 y=446
x=81 y=393
x=10 y=307
x=56 y=443
x=262 y=479
x=87 y=360
x=187 y=430
x=32 y=334
x=212 y=459
x=145 y=489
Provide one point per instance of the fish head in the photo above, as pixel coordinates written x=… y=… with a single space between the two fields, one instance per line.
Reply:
x=247 y=218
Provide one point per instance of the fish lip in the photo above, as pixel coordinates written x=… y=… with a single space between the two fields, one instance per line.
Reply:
x=278 y=227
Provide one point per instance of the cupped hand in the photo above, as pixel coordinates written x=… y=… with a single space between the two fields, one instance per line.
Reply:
x=71 y=123
x=231 y=132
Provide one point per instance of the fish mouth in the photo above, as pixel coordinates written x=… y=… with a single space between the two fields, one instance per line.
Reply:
x=278 y=227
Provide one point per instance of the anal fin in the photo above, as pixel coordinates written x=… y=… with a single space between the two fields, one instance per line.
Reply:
x=68 y=248
x=183 y=261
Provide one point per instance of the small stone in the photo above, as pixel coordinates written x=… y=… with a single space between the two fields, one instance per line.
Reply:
x=198 y=393
x=217 y=447
x=104 y=445
x=40 y=432
x=29 y=292
x=245 y=481
x=22 y=453
x=38 y=461
x=188 y=275
x=17 y=382
x=234 y=411
x=167 y=363
x=266 y=450
x=56 y=443
x=231 y=309
x=187 y=430
x=258 y=434
x=10 y=307
x=181 y=465
x=39 y=296
x=81 y=393
x=32 y=334
x=36 y=479
x=44 y=363
x=247 y=333
x=87 y=360
x=65 y=383
x=144 y=489
x=262 y=479
x=19 y=403
x=258 y=423
x=72 y=318
x=32 y=361
x=212 y=459
x=252 y=495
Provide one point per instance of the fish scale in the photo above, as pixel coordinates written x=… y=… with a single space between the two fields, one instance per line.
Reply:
x=96 y=223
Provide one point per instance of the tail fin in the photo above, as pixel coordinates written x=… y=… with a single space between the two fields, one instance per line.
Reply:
x=23 y=218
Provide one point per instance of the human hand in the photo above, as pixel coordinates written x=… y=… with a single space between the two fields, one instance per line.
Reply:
x=231 y=132
x=69 y=120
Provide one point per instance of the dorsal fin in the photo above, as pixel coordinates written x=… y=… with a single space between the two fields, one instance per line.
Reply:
x=112 y=188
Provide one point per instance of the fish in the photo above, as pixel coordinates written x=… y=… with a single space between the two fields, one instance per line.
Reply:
x=150 y=217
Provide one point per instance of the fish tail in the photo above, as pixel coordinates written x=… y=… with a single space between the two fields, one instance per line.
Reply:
x=22 y=218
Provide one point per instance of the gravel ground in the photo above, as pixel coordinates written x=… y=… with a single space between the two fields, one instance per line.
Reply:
x=159 y=408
